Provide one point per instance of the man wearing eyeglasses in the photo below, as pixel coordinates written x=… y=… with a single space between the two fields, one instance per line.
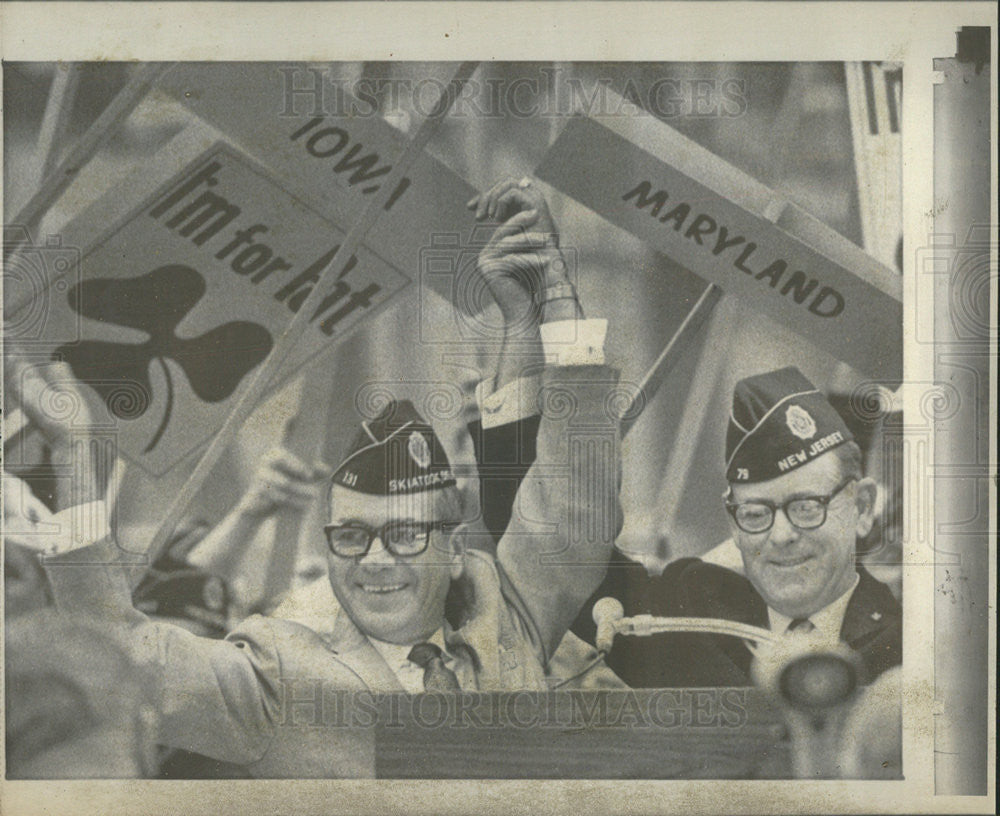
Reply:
x=397 y=546
x=797 y=501
x=271 y=696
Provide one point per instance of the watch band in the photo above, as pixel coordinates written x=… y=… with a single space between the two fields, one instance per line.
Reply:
x=558 y=291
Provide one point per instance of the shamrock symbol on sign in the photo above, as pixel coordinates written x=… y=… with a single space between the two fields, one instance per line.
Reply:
x=214 y=362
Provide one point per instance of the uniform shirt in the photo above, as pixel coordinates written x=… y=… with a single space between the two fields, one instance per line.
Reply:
x=828 y=621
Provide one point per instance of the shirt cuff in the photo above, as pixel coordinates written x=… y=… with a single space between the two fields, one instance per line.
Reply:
x=516 y=400
x=575 y=342
x=78 y=526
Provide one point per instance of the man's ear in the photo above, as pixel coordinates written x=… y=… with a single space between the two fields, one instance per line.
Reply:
x=866 y=495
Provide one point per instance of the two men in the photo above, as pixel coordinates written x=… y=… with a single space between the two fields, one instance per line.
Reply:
x=798 y=502
x=397 y=557
x=396 y=540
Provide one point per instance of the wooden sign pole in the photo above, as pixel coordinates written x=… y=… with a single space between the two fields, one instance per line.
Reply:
x=56 y=182
x=261 y=379
x=676 y=347
x=62 y=94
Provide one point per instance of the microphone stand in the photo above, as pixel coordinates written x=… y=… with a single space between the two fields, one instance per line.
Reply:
x=813 y=680
x=643 y=625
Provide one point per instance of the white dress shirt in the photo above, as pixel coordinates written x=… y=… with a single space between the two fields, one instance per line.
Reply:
x=828 y=620
x=565 y=342
x=409 y=674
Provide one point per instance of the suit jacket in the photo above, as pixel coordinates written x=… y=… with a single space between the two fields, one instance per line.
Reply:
x=689 y=587
x=504 y=454
x=264 y=697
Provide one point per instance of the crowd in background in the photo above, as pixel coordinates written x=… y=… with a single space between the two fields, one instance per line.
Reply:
x=788 y=130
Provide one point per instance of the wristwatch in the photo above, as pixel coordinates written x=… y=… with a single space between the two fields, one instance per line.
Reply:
x=559 y=291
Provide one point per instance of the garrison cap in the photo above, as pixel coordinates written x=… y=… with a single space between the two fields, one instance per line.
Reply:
x=394 y=454
x=780 y=421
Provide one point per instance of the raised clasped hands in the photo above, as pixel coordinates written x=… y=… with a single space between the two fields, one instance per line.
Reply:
x=522 y=259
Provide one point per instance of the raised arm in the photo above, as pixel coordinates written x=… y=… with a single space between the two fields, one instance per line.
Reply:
x=566 y=514
x=212 y=695
x=504 y=434
x=282 y=487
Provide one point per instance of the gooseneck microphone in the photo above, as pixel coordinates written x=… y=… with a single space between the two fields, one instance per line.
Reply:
x=814 y=680
x=606 y=613
x=609 y=615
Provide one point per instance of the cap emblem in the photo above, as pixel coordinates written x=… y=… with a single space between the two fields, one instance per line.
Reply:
x=800 y=422
x=419 y=450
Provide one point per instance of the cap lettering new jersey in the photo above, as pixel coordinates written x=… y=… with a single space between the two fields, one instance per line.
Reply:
x=779 y=422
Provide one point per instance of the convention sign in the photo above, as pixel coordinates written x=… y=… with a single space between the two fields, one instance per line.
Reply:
x=645 y=178
x=182 y=299
x=335 y=150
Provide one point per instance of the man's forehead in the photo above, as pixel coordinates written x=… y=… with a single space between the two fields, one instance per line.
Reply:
x=351 y=505
x=814 y=478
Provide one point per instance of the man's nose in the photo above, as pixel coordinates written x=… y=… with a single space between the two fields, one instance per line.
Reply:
x=377 y=555
x=783 y=531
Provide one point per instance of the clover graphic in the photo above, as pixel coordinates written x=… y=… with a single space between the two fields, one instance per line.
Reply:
x=215 y=362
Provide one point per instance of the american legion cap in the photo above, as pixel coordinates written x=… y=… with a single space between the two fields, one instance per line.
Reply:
x=394 y=454
x=780 y=421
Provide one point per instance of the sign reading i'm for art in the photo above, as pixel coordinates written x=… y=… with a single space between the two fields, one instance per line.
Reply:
x=185 y=297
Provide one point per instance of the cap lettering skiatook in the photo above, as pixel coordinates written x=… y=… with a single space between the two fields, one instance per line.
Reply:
x=395 y=454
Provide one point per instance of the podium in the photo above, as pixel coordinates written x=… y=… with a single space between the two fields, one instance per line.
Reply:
x=713 y=733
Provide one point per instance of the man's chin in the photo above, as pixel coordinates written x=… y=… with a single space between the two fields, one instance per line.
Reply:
x=795 y=604
x=381 y=624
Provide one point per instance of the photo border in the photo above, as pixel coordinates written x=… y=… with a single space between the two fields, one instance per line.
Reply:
x=912 y=33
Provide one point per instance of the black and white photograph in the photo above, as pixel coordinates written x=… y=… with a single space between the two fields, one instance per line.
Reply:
x=463 y=428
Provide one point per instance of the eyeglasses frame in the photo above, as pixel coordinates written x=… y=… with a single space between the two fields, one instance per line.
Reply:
x=824 y=501
x=380 y=534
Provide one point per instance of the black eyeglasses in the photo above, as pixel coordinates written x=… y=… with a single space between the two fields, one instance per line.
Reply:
x=402 y=538
x=806 y=513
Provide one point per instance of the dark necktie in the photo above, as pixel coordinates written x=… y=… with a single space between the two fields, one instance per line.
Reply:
x=801 y=626
x=437 y=676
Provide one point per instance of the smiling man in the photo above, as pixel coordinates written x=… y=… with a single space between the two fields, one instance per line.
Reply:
x=396 y=547
x=798 y=502
x=393 y=505
x=273 y=696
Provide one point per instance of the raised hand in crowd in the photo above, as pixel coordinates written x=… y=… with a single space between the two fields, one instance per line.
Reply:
x=282 y=480
x=283 y=484
x=63 y=412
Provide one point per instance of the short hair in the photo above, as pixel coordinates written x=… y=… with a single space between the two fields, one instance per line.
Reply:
x=850 y=459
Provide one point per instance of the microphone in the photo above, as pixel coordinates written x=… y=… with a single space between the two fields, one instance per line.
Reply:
x=814 y=682
x=606 y=613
